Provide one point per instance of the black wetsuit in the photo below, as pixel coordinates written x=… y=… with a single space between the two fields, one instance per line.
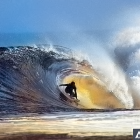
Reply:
x=69 y=89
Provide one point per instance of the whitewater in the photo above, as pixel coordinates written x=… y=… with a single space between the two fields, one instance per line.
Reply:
x=107 y=86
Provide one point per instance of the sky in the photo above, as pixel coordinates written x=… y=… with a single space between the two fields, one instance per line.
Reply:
x=18 y=16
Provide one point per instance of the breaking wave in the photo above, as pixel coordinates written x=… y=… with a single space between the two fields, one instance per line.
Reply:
x=30 y=78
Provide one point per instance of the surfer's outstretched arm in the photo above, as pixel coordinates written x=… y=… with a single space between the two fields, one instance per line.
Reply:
x=63 y=85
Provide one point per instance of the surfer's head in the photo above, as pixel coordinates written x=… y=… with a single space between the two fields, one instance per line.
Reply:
x=73 y=83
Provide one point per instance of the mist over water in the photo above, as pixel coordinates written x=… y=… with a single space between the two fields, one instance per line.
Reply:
x=127 y=51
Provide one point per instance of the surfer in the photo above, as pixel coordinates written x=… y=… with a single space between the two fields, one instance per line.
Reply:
x=71 y=89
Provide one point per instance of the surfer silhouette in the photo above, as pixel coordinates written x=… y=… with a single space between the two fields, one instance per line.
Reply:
x=70 y=89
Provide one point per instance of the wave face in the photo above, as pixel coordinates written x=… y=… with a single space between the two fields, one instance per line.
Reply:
x=30 y=78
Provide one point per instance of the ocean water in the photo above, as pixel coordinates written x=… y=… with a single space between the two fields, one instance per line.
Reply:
x=120 y=123
x=106 y=74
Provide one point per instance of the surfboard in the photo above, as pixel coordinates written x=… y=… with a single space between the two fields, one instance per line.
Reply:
x=72 y=99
